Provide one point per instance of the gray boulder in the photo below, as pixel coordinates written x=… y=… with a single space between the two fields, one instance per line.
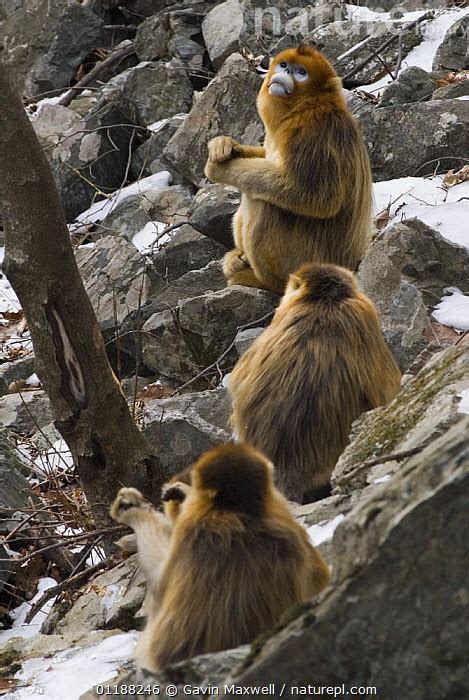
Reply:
x=10 y=372
x=212 y=212
x=221 y=29
x=413 y=85
x=149 y=92
x=227 y=106
x=396 y=605
x=404 y=271
x=152 y=149
x=26 y=412
x=426 y=407
x=182 y=428
x=187 y=250
x=343 y=44
x=452 y=91
x=121 y=595
x=453 y=52
x=79 y=31
x=181 y=342
x=412 y=139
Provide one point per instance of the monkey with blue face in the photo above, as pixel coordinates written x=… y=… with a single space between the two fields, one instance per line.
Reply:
x=306 y=194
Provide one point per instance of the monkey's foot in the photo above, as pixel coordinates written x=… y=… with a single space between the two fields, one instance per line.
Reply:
x=127 y=502
x=248 y=278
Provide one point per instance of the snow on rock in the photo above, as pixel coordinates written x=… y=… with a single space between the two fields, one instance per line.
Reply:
x=453 y=310
x=324 y=531
x=8 y=299
x=433 y=33
x=445 y=210
x=146 y=238
x=382 y=479
x=20 y=629
x=99 y=210
x=464 y=403
x=72 y=672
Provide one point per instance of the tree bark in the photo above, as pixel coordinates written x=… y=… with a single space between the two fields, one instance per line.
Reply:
x=90 y=410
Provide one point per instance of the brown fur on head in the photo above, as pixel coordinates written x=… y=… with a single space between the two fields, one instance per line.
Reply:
x=237 y=560
x=321 y=363
x=236 y=478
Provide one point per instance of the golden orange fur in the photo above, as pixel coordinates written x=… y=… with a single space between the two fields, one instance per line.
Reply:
x=306 y=195
x=235 y=562
x=321 y=363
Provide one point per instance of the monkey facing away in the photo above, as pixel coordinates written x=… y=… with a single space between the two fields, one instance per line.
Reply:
x=235 y=561
x=321 y=363
x=306 y=195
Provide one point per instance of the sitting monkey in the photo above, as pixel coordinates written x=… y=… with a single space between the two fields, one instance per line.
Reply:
x=234 y=562
x=321 y=363
x=306 y=195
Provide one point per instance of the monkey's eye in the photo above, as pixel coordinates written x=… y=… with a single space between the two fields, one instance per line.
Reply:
x=301 y=74
x=283 y=64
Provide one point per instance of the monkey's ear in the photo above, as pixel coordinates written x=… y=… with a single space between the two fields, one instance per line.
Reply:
x=294 y=281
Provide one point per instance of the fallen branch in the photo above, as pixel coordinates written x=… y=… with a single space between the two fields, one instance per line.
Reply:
x=108 y=62
x=70 y=582
x=395 y=457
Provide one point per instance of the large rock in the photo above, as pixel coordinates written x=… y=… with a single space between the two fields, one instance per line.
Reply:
x=413 y=85
x=227 y=106
x=116 y=279
x=398 y=598
x=187 y=250
x=79 y=31
x=405 y=270
x=426 y=407
x=221 y=29
x=15 y=494
x=84 y=153
x=150 y=91
x=184 y=427
x=25 y=413
x=414 y=139
x=453 y=52
x=27 y=33
x=152 y=149
x=212 y=212
x=112 y=601
x=181 y=342
x=10 y=372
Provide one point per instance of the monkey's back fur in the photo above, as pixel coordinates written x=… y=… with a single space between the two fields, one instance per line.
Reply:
x=319 y=365
x=238 y=561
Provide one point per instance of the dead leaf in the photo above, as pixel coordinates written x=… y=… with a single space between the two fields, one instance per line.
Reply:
x=445 y=335
x=154 y=391
x=382 y=219
x=7 y=685
x=453 y=177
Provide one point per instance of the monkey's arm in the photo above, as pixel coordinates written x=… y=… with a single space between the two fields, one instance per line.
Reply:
x=262 y=179
x=152 y=530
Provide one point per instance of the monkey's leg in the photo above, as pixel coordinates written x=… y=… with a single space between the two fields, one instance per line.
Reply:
x=248 y=278
x=152 y=531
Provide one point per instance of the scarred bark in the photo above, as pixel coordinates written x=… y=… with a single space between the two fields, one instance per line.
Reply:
x=90 y=410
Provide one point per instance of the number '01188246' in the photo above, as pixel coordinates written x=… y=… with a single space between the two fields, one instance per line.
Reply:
x=131 y=690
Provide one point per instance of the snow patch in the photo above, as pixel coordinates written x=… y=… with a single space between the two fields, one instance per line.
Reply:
x=57 y=459
x=453 y=309
x=146 y=238
x=20 y=629
x=382 y=479
x=324 y=531
x=433 y=33
x=72 y=672
x=99 y=210
x=447 y=211
x=464 y=403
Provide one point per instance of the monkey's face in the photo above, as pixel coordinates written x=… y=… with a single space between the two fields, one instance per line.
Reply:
x=284 y=76
x=294 y=77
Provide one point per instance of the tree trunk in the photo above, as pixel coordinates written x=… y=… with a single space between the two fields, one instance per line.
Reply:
x=90 y=410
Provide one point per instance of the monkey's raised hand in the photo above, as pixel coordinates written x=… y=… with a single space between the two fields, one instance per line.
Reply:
x=126 y=505
x=221 y=148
